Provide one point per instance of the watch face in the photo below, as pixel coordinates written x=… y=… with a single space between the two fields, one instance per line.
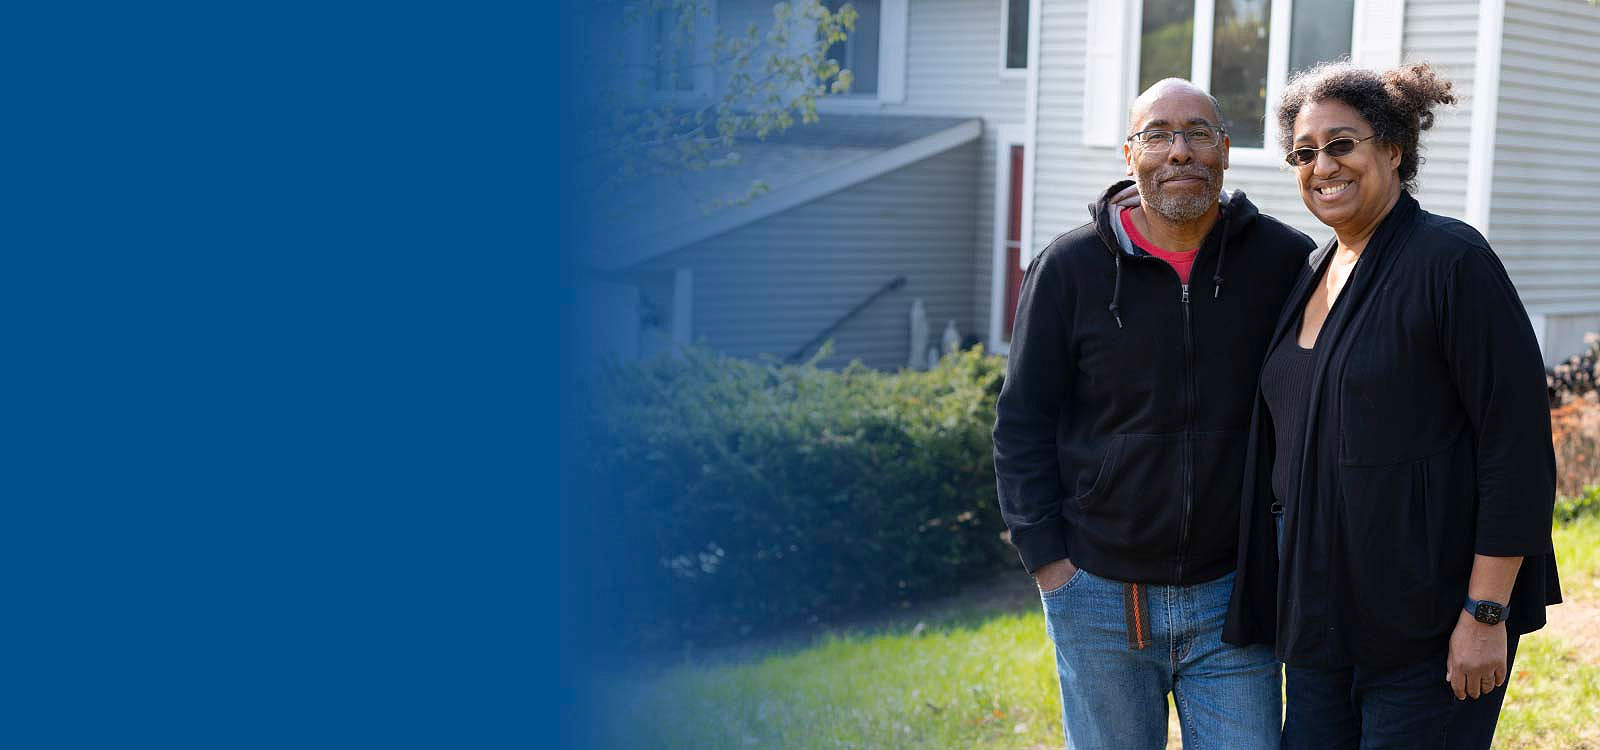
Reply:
x=1488 y=614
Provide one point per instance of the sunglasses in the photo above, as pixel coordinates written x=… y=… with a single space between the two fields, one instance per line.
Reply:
x=1336 y=148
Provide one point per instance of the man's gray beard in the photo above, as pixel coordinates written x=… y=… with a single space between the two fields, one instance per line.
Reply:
x=1178 y=209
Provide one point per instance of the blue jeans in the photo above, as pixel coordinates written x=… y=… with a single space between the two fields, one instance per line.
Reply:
x=1114 y=696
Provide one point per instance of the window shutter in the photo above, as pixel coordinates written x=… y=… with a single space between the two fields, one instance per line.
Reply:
x=1106 y=66
x=1377 y=33
x=893 y=24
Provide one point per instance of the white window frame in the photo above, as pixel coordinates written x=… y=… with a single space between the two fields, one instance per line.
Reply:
x=640 y=52
x=1375 y=40
x=1020 y=74
x=893 y=25
x=1205 y=14
x=1005 y=137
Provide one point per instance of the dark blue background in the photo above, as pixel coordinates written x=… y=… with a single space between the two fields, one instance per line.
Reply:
x=280 y=335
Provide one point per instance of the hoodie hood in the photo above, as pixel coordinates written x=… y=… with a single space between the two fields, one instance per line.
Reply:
x=1237 y=214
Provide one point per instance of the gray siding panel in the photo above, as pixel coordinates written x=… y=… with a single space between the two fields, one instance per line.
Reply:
x=1066 y=173
x=768 y=287
x=953 y=66
x=953 y=69
x=1444 y=33
x=1549 y=90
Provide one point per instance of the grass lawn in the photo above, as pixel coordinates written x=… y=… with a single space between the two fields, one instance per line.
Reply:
x=991 y=684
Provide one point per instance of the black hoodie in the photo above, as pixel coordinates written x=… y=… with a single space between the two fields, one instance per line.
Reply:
x=1121 y=429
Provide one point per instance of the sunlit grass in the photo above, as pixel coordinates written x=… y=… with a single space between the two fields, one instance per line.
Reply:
x=1553 y=700
x=1554 y=696
x=1578 y=555
x=990 y=684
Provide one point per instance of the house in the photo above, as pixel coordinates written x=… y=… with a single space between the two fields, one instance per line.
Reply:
x=1503 y=161
x=978 y=131
x=914 y=175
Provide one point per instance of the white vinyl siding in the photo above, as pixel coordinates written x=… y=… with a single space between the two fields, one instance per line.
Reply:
x=1539 y=222
x=1545 y=160
x=1444 y=33
x=770 y=286
x=950 y=62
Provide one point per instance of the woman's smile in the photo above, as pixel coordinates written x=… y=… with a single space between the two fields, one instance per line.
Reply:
x=1329 y=191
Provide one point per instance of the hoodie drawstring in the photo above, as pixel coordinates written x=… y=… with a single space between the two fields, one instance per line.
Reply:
x=1116 y=288
x=1222 y=255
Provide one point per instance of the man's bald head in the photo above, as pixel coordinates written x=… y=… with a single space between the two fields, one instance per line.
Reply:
x=1163 y=89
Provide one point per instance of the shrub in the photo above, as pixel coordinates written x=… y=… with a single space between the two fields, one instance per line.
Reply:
x=1587 y=503
x=1578 y=377
x=1575 y=431
x=753 y=494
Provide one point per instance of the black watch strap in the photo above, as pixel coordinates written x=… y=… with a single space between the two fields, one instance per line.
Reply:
x=1485 y=611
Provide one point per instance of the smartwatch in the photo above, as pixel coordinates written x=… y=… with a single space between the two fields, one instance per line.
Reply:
x=1485 y=611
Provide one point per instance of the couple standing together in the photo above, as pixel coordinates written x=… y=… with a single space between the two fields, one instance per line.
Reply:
x=1220 y=448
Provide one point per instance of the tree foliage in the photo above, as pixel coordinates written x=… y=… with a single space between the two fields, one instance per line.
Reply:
x=653 y=123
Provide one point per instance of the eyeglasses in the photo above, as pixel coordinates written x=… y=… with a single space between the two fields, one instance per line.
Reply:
x=1336 y=148
x=1203 y=136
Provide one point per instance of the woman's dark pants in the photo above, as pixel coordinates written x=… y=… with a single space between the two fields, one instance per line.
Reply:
x=1410 y=708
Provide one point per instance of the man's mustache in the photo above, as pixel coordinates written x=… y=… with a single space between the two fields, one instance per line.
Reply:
x=1173 y=173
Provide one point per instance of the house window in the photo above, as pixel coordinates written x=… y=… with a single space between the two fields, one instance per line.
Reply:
x=1239 y=39
x=1166 y=41
x=1016 y=51
x=1229 y=48
x=1322 y=36
x=674 y=48
x=858 y=53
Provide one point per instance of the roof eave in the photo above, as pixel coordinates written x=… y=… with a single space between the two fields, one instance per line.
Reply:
x=627 y=251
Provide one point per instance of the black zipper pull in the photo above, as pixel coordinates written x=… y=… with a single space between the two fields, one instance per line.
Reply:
x=1185 y=294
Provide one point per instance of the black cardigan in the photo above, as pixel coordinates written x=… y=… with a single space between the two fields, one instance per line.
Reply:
x=1427 y=440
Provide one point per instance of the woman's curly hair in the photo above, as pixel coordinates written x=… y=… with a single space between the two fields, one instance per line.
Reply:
x=1397 y=103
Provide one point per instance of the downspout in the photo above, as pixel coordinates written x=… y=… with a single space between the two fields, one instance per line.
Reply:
x=1485 y=112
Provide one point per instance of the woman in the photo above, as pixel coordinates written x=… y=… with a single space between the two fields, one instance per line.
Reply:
x=1396 y=538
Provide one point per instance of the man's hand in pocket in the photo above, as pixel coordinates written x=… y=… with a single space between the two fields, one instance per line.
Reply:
x=1052 y=576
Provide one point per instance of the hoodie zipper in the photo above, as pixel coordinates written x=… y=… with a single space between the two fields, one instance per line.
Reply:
x=1188 y=420
x=1188 y=438
x=1188 y=392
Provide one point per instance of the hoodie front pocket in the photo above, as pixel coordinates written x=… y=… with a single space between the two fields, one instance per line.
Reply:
x=1108 y=465
x=1137 y=501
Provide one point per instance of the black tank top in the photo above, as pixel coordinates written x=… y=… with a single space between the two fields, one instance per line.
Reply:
x=1286 y=387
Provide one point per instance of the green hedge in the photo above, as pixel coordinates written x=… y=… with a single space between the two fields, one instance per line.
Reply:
x=1569 y=509
x=752 y=494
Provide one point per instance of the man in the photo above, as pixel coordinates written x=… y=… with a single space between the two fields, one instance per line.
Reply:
x=1121 y=431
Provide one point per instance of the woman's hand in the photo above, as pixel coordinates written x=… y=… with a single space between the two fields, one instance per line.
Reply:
x=1477 y=661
